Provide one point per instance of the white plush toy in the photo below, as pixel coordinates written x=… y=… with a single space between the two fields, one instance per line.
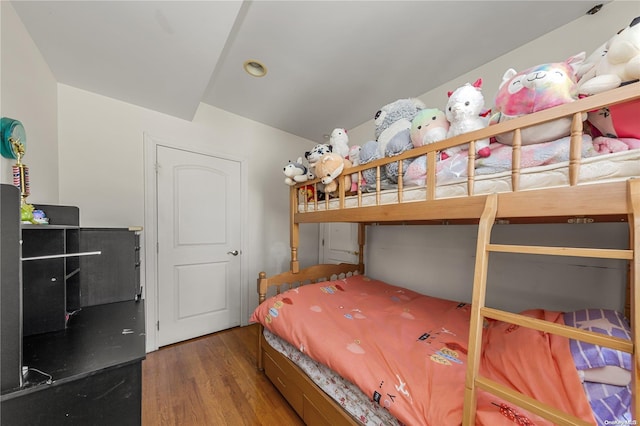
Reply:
x=295 y=172
x=354 y=157
x=463 y=111
x=614 y=63
x=316 y=154
x=339 y=142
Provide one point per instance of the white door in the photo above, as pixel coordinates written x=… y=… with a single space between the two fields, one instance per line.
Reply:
x=338 y=243
x=198 y=244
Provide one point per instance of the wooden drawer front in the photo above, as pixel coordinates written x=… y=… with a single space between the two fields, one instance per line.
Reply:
x=320 y=409
x=287 y=388
x=313 y=416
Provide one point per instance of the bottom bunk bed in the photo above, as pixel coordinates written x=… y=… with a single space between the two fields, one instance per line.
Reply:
x=418 y=376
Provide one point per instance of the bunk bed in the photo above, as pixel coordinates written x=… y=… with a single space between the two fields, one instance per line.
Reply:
x=576 y=197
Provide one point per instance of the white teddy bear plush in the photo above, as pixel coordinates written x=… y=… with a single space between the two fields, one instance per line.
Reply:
x=339 y=142
x=619 y=62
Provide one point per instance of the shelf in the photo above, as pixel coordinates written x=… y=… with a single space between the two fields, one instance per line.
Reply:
x=58 y=256
x=97 y=338
x=45 y=226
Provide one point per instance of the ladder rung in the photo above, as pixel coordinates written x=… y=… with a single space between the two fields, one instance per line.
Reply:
x=563 y=251
x=559 y=329
x=543 y=410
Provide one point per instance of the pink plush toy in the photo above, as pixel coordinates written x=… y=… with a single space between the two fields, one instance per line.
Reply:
x=429 y=125
x=535 y=89
x=463 y=111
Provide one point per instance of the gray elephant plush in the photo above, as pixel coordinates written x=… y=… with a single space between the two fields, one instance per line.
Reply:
x=394 y=118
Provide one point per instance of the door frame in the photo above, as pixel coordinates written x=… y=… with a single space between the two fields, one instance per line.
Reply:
x=150 y=233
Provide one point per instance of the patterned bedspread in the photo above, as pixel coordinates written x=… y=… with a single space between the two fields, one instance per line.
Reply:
x=408 y=352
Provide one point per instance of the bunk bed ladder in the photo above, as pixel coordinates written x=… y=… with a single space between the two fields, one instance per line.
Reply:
x=479 y=312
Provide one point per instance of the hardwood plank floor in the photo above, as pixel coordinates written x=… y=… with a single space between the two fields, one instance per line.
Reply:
x=212 y=380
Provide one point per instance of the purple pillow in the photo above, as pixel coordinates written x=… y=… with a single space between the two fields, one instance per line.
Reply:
x=605 y=321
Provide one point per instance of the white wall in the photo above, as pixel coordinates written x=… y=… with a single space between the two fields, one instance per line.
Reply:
x=29 y=94
x=447 y=252
x=439 y=260
x=102 y=172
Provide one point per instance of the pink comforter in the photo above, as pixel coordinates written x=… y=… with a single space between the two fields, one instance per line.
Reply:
x=408 y=351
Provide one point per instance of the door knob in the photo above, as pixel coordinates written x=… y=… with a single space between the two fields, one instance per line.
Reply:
x=234 y=252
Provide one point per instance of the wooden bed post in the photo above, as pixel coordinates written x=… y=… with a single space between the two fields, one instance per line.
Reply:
x=575 y=148
x=634 y=291
x=262 y=294
x=362 y=229
x=294 y=233
x=516 y=155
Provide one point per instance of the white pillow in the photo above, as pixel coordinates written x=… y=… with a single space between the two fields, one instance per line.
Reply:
x=610 y=375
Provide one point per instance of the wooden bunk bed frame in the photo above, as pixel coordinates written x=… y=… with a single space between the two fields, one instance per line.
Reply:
x=605 y=202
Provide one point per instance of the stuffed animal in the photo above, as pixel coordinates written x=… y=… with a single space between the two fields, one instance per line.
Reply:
x=614 y=63
x=295 y=172
x=354 y=157
x=316 y=153
x=26 y=213
x=328 y=168
x=397 y=146
x=429 y=125
x=354 y=154
x=616 y=121
x=368 y=153
x=395 y=118
x=307 y=192
x=535 y=89
x=339 y=142
x=464 y=109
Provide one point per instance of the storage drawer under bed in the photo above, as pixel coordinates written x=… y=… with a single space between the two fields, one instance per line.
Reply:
x=278 y=376
x=309 y=402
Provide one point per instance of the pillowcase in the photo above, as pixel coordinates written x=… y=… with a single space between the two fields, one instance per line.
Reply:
x=608 y=375
x=597 y=363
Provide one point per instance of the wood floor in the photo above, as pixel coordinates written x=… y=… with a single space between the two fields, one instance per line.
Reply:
x=212 y=380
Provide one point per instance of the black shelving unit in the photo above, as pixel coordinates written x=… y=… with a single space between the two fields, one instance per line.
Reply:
x=73 y=342
x=10 y=289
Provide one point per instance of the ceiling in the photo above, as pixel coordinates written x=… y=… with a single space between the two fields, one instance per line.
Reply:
x=330 y=63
